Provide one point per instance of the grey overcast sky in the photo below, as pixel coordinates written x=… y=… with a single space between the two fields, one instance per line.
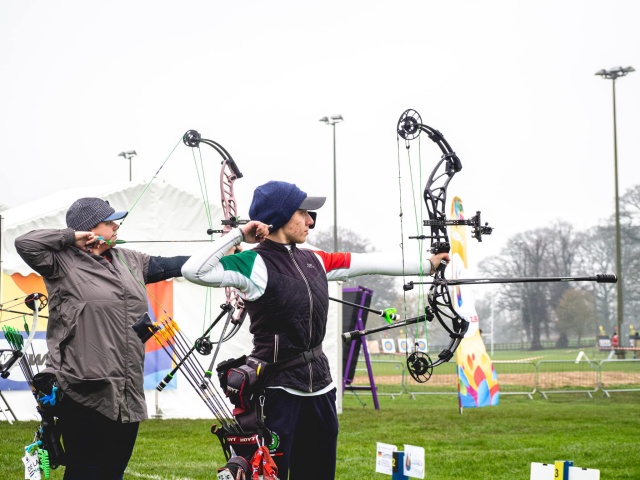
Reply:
x=510 y=84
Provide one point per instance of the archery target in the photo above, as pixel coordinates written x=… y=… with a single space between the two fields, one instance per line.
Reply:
x=388 y=345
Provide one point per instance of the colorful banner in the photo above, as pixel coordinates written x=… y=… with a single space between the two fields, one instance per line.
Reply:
x=461 y=295
x=477 y=379
x=157 y=363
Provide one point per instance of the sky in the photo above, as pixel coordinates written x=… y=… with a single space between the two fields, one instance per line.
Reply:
x=510 y=85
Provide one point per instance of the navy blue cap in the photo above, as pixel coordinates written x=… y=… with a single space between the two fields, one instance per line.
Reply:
x=275 y=202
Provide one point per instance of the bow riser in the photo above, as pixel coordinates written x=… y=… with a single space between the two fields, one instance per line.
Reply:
x=229 y=173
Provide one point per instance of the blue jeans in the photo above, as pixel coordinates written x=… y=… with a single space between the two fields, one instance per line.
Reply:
x=95 y=447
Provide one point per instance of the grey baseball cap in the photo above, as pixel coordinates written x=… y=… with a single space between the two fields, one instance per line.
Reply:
x=86 y=213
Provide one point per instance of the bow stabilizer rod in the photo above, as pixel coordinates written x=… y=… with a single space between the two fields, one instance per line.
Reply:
x=600 y=278
x=389 y=314
x=352 y=335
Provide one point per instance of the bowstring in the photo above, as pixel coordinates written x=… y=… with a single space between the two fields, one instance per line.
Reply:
x=150 y=181
x=135 y=203
x=202 y=182
x=419 y=226
x=401 y=215
x=204 y=191
x=208 y=310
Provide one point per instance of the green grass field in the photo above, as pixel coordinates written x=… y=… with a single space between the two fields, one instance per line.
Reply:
x=487 y=443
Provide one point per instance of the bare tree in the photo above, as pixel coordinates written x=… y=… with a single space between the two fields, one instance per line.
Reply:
x=576 y=314
x=560 y=251
x=596 y=254
x=536 y=253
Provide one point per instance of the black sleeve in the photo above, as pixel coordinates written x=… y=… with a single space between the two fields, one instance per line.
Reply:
x=162 y=268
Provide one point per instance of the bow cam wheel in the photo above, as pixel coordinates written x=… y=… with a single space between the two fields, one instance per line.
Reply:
x=204 y=346
x=409 y=124
x=191 y=138
x=420 y=366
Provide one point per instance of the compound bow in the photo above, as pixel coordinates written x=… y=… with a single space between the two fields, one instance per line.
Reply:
x=229 y=173
x=233 y=309
x=409 y=127
x=439 y=305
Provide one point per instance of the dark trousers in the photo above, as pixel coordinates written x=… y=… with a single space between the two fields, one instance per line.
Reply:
x=307 y=432
x=95 y=447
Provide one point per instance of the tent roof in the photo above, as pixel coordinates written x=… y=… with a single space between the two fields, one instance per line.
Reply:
x=158 y=211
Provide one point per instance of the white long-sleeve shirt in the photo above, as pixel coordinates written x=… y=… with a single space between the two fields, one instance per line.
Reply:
x=246 y=271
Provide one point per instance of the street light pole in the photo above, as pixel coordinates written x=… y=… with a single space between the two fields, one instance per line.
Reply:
x=613 y=74
x=332 y=121
x=128 y=155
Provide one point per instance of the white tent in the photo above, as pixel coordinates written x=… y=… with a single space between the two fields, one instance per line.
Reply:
x=158 y=211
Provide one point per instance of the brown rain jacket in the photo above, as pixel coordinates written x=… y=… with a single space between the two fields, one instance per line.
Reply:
x=95 y=354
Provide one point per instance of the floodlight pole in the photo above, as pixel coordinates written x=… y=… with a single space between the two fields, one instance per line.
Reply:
x=613 y=74
x=128 y=155
x=332 y=121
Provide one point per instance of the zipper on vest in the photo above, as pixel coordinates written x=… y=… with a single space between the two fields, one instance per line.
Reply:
x=310 y=315
x=276 y=345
